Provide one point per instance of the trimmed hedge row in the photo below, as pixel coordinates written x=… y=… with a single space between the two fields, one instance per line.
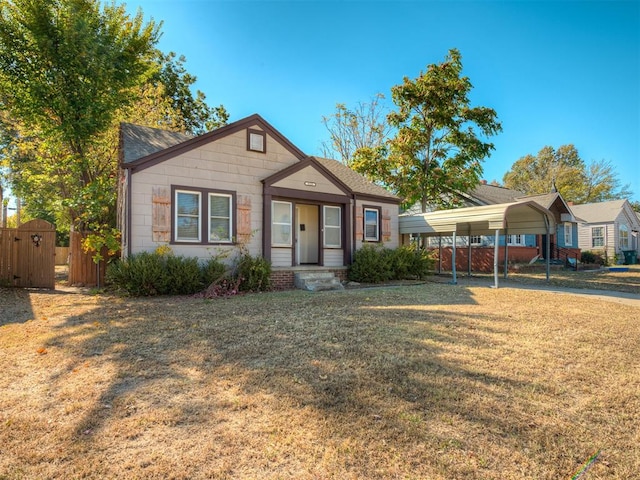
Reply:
x=162 y=273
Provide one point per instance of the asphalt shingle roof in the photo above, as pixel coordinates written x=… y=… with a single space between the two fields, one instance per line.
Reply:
x=494 y=194
x=353 y=180
x=601 y=212
x=138 y=141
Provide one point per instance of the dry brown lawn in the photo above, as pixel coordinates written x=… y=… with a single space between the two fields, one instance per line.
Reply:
x=422 y=382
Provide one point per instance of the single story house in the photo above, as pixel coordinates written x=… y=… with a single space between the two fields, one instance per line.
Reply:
x=245 y=185
x=609 y=228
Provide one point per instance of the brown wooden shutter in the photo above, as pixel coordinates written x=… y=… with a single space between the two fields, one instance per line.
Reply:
x=386 y=225
x=244 y=219
x=359 y=223
x=161 y=214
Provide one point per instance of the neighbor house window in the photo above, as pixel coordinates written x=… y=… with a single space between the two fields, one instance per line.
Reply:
x=568 y=234
x=256 y=141
x=203 y=210
x=623 y=237
x=371 y=224
x=220 y=217
x=515 y=240
x=281 y=224
x=597 y=236
x=475 y=240
x=332 y=227
x=188 y=220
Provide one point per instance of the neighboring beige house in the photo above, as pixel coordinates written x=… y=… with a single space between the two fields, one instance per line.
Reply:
x=246 y=185
x=612 y=227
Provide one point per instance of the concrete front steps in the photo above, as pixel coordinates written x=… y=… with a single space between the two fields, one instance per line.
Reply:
x=317 y=281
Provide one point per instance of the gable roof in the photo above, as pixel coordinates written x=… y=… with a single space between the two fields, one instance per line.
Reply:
x=485 y=194
x=137 y=141
x=171 y=144
x=355 y=182
x=348 y=181
x=601 y=212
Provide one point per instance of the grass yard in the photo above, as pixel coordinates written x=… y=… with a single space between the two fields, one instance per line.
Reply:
x=423 y=382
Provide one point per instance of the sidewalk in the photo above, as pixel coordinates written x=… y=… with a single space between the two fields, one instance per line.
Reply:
x=605 y=295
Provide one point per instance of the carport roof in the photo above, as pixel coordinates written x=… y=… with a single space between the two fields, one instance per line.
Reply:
x=515 y=217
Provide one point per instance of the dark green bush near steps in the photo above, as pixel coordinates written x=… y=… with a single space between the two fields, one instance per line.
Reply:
x=376 y=264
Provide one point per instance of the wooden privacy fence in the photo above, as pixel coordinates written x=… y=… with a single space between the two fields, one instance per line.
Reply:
x=27 y=255
x=83 y=271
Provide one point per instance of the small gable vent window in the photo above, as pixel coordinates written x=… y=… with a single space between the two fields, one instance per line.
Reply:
x=256 y=141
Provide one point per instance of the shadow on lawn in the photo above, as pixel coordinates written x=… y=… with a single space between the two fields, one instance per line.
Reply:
x=16 y=306
x=370 y=361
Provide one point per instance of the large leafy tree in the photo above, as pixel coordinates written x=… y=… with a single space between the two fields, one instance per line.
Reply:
x=564 y=171
x=440 y=139
x=66 y=68
x=350 y=129
x=70 y=71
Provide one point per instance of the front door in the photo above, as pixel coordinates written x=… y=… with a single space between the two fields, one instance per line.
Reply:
x=307 y=240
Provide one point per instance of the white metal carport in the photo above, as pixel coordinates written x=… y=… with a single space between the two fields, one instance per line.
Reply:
x=525 y=217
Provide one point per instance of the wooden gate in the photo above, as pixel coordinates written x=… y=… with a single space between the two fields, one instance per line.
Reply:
x=83 y=271
x=27 y=255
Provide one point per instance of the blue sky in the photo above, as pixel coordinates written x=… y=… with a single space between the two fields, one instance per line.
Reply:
x=555 y=72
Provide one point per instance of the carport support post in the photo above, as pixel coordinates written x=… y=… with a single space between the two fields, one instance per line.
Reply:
x=548 y=246
x=496 y=250
x=469 y=253
x=440 y=254
x=506 y=253
x=453 y=260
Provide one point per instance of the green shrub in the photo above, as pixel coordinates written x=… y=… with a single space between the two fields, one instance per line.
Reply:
x=371 y=264
x=162 y=273
x=375 y=264
x=594 y=258
x=184 y=274
x=142 y=274
x=253 y=273
x=213 y=270
x=410 y=261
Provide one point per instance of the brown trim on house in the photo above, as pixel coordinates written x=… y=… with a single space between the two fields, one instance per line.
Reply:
x=266 y=226
x=348 y=245
x=304 y=163
x=204 y=214
x=303 y=195
x=294 y=230
x=128 y=212
x=375 y=198
x=253 y=131
x=166 y=154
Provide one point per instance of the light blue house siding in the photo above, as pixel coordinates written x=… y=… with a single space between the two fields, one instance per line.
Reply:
x=523 y=241
x=562 y=240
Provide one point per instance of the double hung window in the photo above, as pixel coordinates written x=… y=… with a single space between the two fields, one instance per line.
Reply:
x=597 y=236
x=332 y=227
x=568 y=234
x=199 y=210
x=281 y=224
x=371 y=224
